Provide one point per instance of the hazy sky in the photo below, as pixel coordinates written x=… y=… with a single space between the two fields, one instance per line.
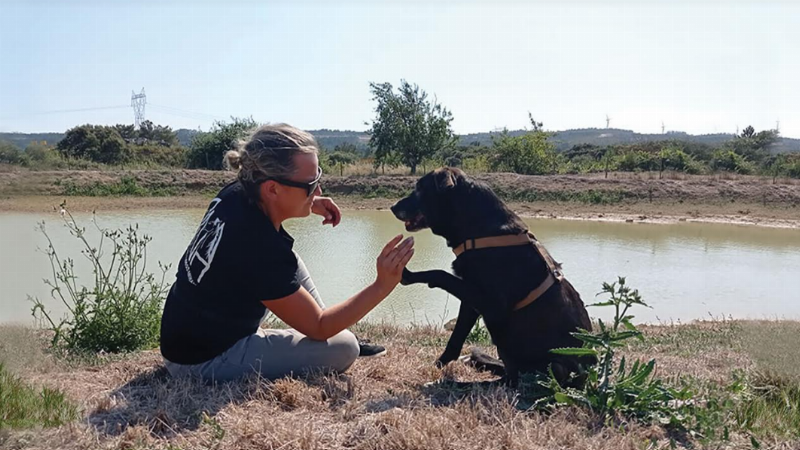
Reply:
x=698 y=66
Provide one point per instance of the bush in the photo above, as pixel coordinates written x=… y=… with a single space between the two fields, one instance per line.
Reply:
x=121 y=311
x=529 y=154
x=11 y=154
x=674 y=158
x=41 y=154
x=159 y=155
x=730 y=161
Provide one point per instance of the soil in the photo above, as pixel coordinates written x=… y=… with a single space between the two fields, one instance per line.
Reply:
x=621 y=197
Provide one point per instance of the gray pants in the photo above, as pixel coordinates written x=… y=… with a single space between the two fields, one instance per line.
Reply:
x=276 y=353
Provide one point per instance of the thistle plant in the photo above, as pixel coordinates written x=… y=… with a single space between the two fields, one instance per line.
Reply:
x=611 y=388
x=121 y=309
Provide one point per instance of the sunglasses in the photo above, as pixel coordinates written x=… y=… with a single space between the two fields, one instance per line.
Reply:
x=310 y=186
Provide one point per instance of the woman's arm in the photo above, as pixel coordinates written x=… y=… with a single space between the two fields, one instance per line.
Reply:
x=302 y=313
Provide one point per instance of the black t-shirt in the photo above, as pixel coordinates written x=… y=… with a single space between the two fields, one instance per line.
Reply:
x=236 y=260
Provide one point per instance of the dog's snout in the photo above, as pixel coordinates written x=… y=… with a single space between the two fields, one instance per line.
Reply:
x=399 y=211
x=404 y=209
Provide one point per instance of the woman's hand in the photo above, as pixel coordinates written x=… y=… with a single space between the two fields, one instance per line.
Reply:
x=393 y=260
x=325 y=207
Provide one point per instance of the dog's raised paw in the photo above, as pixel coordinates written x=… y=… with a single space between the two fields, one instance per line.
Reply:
x=407 y=277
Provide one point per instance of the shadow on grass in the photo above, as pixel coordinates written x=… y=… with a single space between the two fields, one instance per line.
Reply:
x=164 y=405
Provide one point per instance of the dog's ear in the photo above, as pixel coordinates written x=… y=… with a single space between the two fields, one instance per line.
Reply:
x=447 y=178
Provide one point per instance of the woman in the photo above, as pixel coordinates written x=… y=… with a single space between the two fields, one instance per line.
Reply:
x=240 y=264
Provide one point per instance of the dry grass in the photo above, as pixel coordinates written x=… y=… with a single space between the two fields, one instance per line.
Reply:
x=380 y=403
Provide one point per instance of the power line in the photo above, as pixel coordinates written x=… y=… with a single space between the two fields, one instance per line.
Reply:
x=61 y=111
x=186 y=113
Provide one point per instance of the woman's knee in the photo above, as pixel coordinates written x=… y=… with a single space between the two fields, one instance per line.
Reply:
x=344 y=346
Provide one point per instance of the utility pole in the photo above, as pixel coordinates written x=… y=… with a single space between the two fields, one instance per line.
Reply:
x=137 y=103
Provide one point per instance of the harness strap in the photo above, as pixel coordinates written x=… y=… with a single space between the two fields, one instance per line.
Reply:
x=536 y=293
x=554 y=273
x=507 y=240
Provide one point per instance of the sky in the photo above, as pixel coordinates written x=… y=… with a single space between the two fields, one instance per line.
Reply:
x=702 y=66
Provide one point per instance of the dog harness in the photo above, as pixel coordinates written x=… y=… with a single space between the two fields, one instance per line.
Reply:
x=554 y=273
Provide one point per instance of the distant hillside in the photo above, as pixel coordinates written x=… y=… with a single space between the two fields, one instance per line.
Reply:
x=610 y=136
x=22 y=140
x=328 y=139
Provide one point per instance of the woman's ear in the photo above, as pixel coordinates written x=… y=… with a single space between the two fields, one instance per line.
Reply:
x=269 y=189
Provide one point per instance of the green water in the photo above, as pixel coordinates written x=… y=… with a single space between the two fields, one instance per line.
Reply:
x=684 y=271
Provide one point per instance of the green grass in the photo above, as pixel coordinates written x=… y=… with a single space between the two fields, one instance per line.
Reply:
x=592 y=196
x=22 y=406
x=762 y=401
x=386 y=192
x=691 y=339
x=126 y=186
x=773 y=346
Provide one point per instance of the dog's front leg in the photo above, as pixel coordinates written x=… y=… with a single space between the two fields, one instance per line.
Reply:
x=446 y=281
x=467 y=316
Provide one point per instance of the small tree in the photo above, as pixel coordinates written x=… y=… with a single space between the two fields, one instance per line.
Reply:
x=341 y=159
x=529 y=154
x=753 y=145
x=207 y=149
x=408 y=124
x=163 y=135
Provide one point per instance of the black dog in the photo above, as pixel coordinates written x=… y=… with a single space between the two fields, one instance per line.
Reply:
x=501 y=273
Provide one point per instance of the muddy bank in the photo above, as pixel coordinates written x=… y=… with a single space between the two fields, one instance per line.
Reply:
x=621 y=197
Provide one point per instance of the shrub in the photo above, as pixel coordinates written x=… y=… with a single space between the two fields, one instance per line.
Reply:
x=121 y=310
x=730 y=161
x=11 y=154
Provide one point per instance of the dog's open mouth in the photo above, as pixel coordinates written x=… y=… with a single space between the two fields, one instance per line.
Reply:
x=417 y=223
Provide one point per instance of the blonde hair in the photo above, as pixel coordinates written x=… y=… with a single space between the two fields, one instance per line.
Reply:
x=268 y=153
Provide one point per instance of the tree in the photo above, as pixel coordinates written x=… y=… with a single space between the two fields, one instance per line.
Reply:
x=408 y=125
x=159 y=134
x=95 y=143
x=776 y=166
x=341 y=159
x=528 y=154
x=751 y=145
x=127 y=132
x=207 y=149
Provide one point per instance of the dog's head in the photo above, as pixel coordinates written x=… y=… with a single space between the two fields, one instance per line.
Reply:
x=433 y=201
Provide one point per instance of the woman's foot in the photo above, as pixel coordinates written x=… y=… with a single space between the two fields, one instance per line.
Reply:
x=367 y=349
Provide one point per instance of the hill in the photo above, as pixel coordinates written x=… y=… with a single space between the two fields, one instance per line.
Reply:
x=564 y=140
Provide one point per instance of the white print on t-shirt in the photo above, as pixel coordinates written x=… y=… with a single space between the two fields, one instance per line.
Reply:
x=204 y=245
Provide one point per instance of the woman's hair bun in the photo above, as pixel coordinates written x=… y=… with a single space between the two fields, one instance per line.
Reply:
x=233 y=160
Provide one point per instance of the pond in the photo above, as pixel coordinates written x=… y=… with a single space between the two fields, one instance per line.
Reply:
x=685 y=271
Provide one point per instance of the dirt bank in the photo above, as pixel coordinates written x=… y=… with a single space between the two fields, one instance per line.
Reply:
x=623 y=197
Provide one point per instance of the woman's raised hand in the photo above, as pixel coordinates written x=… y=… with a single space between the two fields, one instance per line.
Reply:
x=393 y=260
